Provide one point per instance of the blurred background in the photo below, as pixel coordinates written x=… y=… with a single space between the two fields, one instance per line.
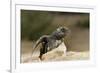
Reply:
x=34 y=24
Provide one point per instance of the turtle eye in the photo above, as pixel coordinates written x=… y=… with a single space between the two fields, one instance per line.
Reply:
x=63 y=30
